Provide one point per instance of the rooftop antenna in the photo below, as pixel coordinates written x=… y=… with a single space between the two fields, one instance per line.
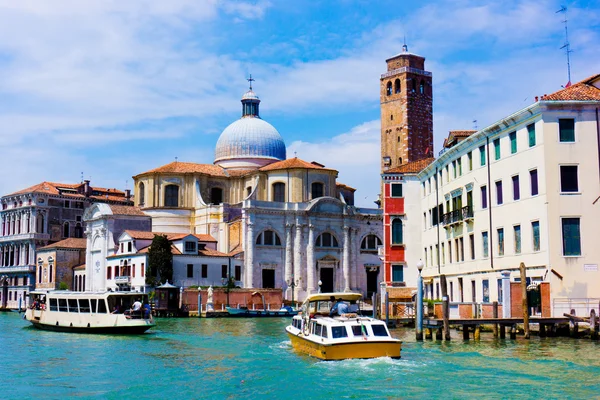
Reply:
x=404 y=46
x=567 y=45
x=81 y=176
x=250 y=80
x=175 y=158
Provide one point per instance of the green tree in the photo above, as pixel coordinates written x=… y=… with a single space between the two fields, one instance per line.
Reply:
x=160 y=261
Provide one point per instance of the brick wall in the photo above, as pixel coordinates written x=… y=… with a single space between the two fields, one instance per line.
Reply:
x=236 y=296
x=545 y=299
x=516 y=299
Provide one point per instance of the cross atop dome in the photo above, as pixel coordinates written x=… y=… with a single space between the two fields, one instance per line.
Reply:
x=250 y=101
x=250 y=80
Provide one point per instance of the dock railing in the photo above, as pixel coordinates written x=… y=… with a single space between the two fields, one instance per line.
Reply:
x=401 y=310
x=582 y=306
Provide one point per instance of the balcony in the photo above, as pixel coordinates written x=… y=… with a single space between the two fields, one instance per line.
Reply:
x=24 y=236
x=18 y=269
x=122 y=280
x=457 y=216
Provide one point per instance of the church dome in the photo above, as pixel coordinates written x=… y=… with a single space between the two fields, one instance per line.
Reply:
x=249 y=142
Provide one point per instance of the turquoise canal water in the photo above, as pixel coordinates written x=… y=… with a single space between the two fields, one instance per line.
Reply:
x=252 y=358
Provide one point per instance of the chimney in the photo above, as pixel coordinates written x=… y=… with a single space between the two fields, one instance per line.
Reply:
x=86 y=188
x=127 y=194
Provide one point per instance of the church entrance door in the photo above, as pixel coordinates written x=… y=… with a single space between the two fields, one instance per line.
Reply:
x=268 y=278
x=326 y=277
x=372 y=274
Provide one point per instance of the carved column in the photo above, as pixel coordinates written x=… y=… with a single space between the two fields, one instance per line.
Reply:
x=289 y=264
x=250 y=255
x=310 y=260
x=298 y=255
x=354 y=259
x=346 y=260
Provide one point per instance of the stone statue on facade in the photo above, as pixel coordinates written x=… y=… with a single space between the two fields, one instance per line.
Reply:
x=209 y=299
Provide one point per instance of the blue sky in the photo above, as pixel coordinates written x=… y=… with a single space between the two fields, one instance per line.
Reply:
x=115 y=88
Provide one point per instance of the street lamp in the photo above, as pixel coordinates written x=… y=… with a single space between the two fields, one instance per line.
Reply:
x=292 y=283
x=320 y=284
x=419 y=327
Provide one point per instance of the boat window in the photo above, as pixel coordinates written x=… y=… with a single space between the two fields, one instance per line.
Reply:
x=62 y=305
x=53 y=305
x=101 y=306
x=338 y=332
x=73 y=306
x=359 y=330
x=93 y=301
x=324 y=331
x=379 y=330
x=84 y=305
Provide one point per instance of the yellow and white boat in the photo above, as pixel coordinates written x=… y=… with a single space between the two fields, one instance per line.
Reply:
x=350 y=335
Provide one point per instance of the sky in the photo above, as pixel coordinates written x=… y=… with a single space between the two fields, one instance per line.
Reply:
x=108 y=89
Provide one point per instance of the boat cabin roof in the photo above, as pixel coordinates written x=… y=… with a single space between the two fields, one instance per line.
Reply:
x=84 y=294
x=345 y=296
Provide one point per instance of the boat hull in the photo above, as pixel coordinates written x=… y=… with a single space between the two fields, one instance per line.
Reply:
x=348 y=350
x=239 y=312
x=124 y=330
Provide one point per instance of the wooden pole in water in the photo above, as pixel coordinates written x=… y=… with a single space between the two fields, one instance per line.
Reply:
x=477 y=333
x=513 y=331
x=465 y=332
x=445 y=307
x=438 y=334
x=495 y=316
x=502 y=331
x=428 y=334
x=593 y=329
x=525 y=304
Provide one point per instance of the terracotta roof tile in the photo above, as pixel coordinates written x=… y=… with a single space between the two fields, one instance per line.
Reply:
x=293 y=163
x=146 y=235
x=411 y=167
x=126 y=210
x=188 y=168
x=466 y=133
x=211 y=253
x=79 y=267
x=342 y=185
x=75 y=190
x=586 y=90
x=70 y=243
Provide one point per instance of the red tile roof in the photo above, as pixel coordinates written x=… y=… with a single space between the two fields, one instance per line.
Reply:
x=188 y=168
x=70 y=243
x=126 y=210
x=342 y=185
x=411 y=167
x=79 y=267
x=585 y=90
x=73 y=190
x=294 y=163
x=145 y=235
x=466 y=133
x=211 y=253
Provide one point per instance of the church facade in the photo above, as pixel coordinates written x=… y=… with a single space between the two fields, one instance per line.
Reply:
x=293 y=225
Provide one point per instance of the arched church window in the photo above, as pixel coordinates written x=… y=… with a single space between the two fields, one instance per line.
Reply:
x=397 y=231
x=317 y=190
x=142 y=193
x=370 y=242
x=388 y=89
x=391 y=117
x=78 y=231
x=327 y=240
x=279 y=191
x=397 y=86
x=399 y=160
x=216 y=195
x=268 y=238
x=422 y=87
x=414 y=85
x=66 y=230
x=172 y=196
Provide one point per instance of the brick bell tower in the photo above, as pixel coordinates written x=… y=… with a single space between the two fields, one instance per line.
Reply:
x=406 y=111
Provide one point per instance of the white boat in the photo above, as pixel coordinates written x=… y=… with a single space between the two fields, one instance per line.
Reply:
x=89 y=312
x=350 y=335
x=246 y=312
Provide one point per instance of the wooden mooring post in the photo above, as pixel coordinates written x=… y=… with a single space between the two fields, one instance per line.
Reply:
x=542 y=330
x=573 y=325
x=477 y=333
x=465 y=332
x=593 y=328
x=513 y=332
x=495 y=316
x=525 y=303
x=502 y=331
x=438 y=334
x=428 y=334
x=445 y=308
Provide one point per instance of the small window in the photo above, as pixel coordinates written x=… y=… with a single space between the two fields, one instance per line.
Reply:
x=422 y=87
x=571 y=237
x=397 y=273
x=142 y=194
x=470 y=160
x=533 y=177
x=204 y=271
x=535 y=229
x=379 y=330
x=499 y=198
x=62 y=305
x=500 y=241
x=216 y=195
x=338 y=332
x=268 y=238
x=84 y=305
x=531 y=134
x=279 y=192
x=129 y=247
x=53 y=305
x=396 y=190
x=327 y=240
x=224 y=271
x=190 y=270
x=370 y=242
x=568 y=179
x=359 y=330
x=238 y=272
x=102 y=307
x=516 y=188
x=497 y=148
x=566 y=128
x=517 y=235
x=171 y=196
x=388 y=89
x=317 y=190
x=484 y=197
x=485 y=244
x=67 y=204
x=109 y=273
x=190 y=247
x=482 y=155
x=66 y=230
x=397 y=231
x=397 y=86
x=513 y=142
x=94 y=304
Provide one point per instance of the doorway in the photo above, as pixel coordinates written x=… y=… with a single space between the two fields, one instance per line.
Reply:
x=4 y=294
x=326 y=277
x=268 y=278
x=372 y=274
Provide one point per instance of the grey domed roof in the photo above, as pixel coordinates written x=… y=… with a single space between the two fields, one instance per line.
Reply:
x=250 y=137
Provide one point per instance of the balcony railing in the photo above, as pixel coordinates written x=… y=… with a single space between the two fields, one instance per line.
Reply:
x=24 y=236
x=122 y=280
x=457 y=216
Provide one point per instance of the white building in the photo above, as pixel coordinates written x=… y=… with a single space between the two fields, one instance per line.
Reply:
x=524 y=189
x=295 y=224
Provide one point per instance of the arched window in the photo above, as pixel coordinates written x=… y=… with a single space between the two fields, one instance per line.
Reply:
x=422 y=87
x=142 y=194
x=268 y=238
x=317 y=190
x=397 y=86
x=172 y=196
x=388 y=89
x=40 y=274
x=414 y=85
x=370 y=242
x=78 y=231
x=327 y=240
x=397 y=231
x=50 y=274
x=399 y=160
x=66 y=230
x=279 y=191
x=109 y=272
x=216 y=195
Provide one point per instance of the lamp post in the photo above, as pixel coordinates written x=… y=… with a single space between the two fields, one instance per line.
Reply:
x=419 y=324
x=292 y=283
x=320 y=283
